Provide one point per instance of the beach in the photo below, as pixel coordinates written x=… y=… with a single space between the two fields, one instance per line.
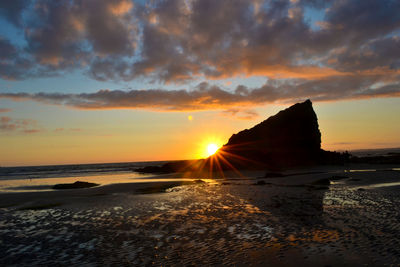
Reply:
x=249 y=220
x=199 y=133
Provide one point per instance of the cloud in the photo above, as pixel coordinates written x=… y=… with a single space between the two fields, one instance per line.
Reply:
x=75 y=129
x=241 y=114
x=205 y=96
x=7 y=50
x=220 y=39
x=12 y=64
x=353 y=54
x=12 y=10
x=379 y=53
x=66 y=35
x=58 y=130
x=174 y=41
x=27 y=126
x=31 y=131
x=6 y=124
x=74 y=35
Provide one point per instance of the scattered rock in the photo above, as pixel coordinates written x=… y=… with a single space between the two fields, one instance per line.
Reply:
x=171 y=167
x=76 y=185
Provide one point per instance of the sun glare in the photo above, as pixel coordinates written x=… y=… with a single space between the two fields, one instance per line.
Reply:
x=208 y=145
x=211 y=149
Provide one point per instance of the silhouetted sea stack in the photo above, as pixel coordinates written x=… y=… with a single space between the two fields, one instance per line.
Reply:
x=288 y=139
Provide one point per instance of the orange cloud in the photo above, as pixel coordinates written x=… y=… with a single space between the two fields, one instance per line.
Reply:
x=296 y=72
x=211 y=97
x=77 y=23
x=121 y=7
x=28 y=126
x=31 y=131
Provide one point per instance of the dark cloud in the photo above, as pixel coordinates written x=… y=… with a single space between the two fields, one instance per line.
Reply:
x=380 y=53
x=109 y=69
x=54 y=36
x=174 y=41
x=12 y=10
x=108 y=29
x=7 y=50
x=357 y=21
x=15 y=65
x=12 y=66
x=183 y=40
x=69 y=33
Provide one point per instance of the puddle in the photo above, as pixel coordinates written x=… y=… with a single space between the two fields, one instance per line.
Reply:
x=384 y=184
x=361 y=170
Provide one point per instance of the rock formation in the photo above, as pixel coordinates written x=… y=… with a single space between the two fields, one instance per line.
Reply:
x=76 y=185
x=288 y=139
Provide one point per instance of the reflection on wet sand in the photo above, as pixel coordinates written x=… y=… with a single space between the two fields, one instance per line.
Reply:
x=235 y=223
x=299 y=204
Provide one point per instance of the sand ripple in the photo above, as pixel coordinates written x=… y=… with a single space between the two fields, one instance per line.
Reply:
x=216 y=224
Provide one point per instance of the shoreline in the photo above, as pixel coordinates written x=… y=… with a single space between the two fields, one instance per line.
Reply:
x=68 y=196
x=159 y=183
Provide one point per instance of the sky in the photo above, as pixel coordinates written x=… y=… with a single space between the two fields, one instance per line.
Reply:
x=87 y=81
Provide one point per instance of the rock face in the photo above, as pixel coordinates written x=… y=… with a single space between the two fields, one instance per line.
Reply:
x=289 y=138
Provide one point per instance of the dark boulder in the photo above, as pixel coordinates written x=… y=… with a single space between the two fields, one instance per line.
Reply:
x=76 y=185
x=171 y=167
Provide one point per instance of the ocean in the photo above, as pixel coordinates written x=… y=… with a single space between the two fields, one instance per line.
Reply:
x=39 y=178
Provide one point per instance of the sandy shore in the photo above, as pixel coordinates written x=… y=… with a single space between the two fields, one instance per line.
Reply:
x=100 y=194
x=246 y=220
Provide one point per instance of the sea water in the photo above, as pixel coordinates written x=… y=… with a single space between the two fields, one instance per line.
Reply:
x=39 y=178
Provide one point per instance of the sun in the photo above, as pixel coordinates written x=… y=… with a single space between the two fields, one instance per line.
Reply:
x=211 y=149
x=208 y=145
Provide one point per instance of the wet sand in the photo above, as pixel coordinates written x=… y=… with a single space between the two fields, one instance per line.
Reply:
x=282 y=221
